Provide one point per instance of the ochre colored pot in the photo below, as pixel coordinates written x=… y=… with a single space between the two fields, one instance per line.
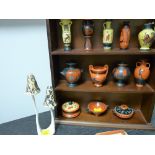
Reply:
x=98 y=74
x=141 y=73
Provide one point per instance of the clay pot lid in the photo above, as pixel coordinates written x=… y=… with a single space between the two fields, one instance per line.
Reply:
x=97 y=107
x=70 y=106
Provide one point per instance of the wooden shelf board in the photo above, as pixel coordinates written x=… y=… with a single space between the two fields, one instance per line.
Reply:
x=110 y=87
x=108 y=120
x=101 y=51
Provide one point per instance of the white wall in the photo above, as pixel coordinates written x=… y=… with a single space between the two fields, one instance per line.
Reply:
x=23 y=50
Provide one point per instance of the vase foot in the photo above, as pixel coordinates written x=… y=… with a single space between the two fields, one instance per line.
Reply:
x=120 y=84
x=97 y=85
x=139 y=85
x=144 y=49
x=72 y=85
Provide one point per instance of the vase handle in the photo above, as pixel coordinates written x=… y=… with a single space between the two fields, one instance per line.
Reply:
x=138 y=64
x=107 y=69
x=90 y=69
x=148 y=65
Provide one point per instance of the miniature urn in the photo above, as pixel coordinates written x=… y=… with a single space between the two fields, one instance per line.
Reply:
x=71 y=73
x=66 y=33
x=141 y=73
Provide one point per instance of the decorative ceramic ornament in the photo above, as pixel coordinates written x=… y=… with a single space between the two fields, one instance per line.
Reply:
x=70 y=109
x=71 y=73
x=66 y=33
x=107 y=34
x=141 y=73
x=123 y=111
x=33 y=89
x=88 y=30
x=146 y=37
x=97 y=107
x=125 y=36
x=98 y=74
x=121 y=74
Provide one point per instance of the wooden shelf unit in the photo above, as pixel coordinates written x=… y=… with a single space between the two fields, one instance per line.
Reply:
x=141 y=99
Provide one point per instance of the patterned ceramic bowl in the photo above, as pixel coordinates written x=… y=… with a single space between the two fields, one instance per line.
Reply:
x=123 y=111
x=97 y=107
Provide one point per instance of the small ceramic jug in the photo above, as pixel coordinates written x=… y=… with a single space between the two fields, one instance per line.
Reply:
x=125 y=36
x=121 y=74
x=88 y=30
x=141 y=73
x=98 y=74
x=72 y=74
x=107 y=35
x=146 y=37
x=66 y=33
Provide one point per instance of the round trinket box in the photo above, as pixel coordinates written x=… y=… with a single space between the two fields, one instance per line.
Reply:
x=123 y=111
x=70 y=109
x=70 y=106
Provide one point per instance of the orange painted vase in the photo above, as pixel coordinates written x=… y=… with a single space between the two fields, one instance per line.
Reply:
x=98 y=74
x=72 y=74
x=121 y=74
x=141 y=73
x=125 y=36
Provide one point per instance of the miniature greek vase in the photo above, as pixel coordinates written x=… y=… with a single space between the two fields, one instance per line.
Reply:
x=125 y=36
x=71 y=73
x=66 y=33
x=107 y=35
x=146 y=37
x=88 y=30
x=141 y=73
x=98 y=74
x=121 y=74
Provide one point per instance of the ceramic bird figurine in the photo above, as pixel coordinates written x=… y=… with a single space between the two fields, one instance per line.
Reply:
x=33 y=89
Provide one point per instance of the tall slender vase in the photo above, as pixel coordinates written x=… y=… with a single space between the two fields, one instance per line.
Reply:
x=88 y=30
x=107 y=34
x=125 y=36
x=66 y=33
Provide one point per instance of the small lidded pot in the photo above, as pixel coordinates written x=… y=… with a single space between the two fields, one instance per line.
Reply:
x=123 y=111
x=70 y=109
x=121 y=74
x=71 y=73
x=141 y=73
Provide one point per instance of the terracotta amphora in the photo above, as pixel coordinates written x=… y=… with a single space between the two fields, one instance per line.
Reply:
x=142 y=72
x=98 y=74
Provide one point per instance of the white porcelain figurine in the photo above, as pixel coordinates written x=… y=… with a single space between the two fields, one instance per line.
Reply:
x=33 y=89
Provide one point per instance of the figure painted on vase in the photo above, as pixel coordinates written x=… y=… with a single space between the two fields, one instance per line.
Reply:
x=107 y=34
x=66 y=33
